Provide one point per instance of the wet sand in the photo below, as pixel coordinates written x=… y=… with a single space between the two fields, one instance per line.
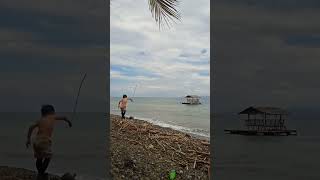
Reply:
x=141 y=150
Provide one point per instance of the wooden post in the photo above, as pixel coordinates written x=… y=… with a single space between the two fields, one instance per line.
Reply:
x=265 y=121
x=248 y=125
x=275 y=122
x=256 y=126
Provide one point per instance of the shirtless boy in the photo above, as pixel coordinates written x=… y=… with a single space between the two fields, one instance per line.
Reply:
x=42 y=142
x=123 y=103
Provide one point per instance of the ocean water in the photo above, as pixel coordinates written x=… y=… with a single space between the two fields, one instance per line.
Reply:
x=169 y=112
x=266 y=157
x=80 y=149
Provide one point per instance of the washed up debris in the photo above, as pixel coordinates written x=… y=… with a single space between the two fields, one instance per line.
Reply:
x=156 y=149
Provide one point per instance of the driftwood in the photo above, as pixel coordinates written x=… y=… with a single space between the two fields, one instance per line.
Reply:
x=205 y=143
x=184 y=150
x=198 y=152
x=195 y=163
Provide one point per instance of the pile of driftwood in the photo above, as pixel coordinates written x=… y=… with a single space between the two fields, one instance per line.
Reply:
x=182 y=149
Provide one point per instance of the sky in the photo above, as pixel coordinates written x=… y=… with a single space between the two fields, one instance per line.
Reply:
x=46 y=46
x=170 y=62
x=266 y=54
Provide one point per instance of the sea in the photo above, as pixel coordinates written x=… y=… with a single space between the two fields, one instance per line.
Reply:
x=80 y=149
x=169 y=112
x=266 y=157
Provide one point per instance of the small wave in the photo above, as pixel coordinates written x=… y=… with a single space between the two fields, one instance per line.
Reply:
x=192 y=131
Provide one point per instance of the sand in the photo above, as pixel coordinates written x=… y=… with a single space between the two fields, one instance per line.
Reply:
x=141 y=150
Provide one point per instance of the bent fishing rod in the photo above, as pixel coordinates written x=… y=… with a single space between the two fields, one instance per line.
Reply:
x=77 y=98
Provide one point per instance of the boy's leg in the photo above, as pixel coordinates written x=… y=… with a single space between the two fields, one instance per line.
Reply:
x=39 y=165
x=122 y=113
x=45 y=165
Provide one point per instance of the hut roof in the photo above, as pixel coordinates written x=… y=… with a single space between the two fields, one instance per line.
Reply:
x=264 y=110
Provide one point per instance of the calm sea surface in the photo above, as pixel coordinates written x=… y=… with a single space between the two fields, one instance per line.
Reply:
x=266 y=157
x=80 y=149
x=169 y=112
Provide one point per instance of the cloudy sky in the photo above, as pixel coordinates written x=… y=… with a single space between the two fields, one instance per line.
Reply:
x=171 y=62
x=267 y=53
x=45 y=48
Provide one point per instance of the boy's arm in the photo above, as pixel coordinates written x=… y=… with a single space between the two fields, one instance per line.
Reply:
x=31 y=128
x=63 y=118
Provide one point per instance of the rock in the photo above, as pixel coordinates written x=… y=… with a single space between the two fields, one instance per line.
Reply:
x=150 y=146
x=180 y=172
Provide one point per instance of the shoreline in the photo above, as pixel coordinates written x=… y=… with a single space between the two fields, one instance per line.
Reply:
x=170 y=126
x=142 y=150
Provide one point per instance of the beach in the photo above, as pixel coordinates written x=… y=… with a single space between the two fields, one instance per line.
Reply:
x=169 y=112
x=12 y=173
x=73 y=150
x=142 y=150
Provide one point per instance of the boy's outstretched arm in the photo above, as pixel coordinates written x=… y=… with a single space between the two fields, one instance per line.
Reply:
x=63 y=118
x=31 y=128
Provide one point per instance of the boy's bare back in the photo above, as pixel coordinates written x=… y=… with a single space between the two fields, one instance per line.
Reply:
x=46 y=126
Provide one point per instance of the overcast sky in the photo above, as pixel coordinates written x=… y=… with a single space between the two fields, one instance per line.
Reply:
x=45 y=48
x=267 y=54
x=170 y=62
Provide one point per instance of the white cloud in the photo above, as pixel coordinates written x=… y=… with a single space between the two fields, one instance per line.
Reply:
x=175 y=56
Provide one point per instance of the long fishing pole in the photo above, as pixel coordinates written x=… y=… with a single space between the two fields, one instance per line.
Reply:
x=76 y=102
x=134 y=92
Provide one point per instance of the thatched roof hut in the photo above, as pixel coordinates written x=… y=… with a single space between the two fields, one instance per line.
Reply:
x=264 y=118
x=264 y=110
x=192 y=99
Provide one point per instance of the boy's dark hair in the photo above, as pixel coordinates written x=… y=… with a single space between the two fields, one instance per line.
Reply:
x=47 y=109
x=124 y=96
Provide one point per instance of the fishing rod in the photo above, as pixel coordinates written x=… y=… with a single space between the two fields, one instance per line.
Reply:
x=134 y=92
x=76 y=102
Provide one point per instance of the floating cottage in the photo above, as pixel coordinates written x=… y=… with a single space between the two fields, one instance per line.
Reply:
x=263 y=121
x=192 y=99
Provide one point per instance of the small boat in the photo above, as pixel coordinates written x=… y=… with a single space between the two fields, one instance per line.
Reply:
x=192 y=100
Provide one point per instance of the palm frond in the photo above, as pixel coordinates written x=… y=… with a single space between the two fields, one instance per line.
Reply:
x=164 y=11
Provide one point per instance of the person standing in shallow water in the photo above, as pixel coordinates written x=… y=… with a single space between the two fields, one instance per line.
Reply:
x=42 y=142
x=123 y=104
